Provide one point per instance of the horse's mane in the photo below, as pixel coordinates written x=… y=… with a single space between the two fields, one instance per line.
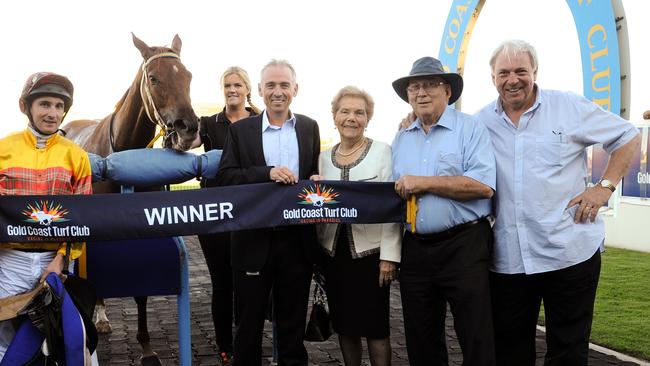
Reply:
x=118 y=105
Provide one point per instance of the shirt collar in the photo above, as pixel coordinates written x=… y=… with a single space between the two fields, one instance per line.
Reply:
x=266 y=124
x=444 y=121
x=40 y=140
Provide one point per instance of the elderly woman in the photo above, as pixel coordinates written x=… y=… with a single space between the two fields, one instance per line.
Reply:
x=362 y=258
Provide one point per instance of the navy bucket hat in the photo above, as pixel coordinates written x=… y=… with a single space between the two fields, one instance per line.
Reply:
x=429 y=66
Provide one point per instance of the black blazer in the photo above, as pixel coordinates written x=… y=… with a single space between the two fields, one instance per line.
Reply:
x=243 y=162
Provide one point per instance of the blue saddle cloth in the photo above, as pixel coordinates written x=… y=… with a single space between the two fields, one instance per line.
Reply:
x=26 y=344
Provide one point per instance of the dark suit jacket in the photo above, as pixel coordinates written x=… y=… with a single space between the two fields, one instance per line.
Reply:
x=243 y=162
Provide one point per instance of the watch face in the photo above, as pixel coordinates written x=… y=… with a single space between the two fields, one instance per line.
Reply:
x=607 y=184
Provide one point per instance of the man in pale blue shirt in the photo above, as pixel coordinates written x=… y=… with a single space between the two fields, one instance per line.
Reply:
x=444 y=161
x=547 y=232
x=283 y=147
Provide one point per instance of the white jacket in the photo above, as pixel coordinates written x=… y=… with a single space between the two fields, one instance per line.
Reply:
x=368 y=238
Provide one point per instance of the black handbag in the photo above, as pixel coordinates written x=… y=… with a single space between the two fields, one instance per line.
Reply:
x=319 y=327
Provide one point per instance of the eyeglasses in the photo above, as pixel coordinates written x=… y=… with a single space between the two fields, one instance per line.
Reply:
x=427 y=85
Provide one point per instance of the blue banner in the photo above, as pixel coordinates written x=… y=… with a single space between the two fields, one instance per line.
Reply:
x=631 y=180
x=204 y=211
x=637 y=180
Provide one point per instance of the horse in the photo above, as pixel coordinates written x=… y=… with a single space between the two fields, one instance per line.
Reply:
x=158 y=97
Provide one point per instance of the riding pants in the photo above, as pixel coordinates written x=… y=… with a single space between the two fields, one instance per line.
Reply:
x=19 y=272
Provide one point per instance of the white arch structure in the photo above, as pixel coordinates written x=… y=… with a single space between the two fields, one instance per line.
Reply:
x=604 y=47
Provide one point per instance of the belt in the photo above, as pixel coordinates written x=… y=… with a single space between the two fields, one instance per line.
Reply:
x=449 y=233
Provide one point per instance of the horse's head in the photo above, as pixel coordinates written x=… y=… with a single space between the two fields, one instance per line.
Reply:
x=165 y=89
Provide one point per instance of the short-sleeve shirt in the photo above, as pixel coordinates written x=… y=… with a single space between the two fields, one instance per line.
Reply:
x=541 y=166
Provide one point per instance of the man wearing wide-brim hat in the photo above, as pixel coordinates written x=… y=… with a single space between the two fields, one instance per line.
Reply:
x=443 y=164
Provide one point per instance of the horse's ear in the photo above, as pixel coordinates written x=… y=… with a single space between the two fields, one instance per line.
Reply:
x=141 y=46
x=176 y=45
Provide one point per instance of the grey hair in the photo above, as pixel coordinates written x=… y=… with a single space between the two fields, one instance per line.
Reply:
x=275 y=62
x=513 y=47
x=353 y=91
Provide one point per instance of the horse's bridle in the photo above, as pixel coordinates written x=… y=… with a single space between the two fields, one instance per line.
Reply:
x=147 y=100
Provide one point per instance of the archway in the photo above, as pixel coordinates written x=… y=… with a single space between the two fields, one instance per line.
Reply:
x=604 y=49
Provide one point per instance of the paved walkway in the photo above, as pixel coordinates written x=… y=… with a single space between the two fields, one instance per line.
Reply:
x=121 y=348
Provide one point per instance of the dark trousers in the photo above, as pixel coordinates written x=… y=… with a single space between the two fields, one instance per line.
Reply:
x=568 y=296
x=453 y=270
x=288 y=273
x=216 y=250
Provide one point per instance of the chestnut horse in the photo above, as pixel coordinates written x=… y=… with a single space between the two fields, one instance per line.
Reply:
x=158 y=97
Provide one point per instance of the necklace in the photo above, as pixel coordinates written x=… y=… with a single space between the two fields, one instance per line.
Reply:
x=363 y=142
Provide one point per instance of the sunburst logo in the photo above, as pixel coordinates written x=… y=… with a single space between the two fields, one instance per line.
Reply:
x=45 y=213
x=318 y=195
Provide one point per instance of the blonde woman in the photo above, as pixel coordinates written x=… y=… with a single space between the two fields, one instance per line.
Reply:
x=362 y=258
x=236 y=87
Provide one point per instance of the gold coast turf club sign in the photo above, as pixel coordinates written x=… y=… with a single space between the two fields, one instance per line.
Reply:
x=322 y=206
x=46 y=219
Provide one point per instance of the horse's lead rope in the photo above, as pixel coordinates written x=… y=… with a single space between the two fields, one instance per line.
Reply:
x=146 y=92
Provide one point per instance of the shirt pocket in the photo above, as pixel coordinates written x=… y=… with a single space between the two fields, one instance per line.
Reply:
x=449 y=165
x=549 y=150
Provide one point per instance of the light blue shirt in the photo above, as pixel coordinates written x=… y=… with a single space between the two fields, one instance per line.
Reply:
x=541 y=166
x=280 y=144
x=458 y=145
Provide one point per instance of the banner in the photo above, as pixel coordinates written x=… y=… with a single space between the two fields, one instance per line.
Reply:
x=204 y=211
x=637 y=179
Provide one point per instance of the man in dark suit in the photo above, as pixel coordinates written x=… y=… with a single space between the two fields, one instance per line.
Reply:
x=283 y=147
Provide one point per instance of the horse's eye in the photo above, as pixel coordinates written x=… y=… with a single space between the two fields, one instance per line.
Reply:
x=153 y=80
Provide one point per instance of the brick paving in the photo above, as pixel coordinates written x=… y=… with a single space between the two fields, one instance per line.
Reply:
x=121 y=348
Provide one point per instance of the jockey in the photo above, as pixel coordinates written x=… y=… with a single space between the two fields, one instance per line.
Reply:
x=38 y=161
x=45 y=84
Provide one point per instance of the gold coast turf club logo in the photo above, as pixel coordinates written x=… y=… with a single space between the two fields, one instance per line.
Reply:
x=318 y=195
x=45 y=213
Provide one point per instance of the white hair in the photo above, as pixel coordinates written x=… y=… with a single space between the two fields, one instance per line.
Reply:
x=513 y=47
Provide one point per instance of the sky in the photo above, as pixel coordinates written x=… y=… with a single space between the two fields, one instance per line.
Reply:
x=330 y=43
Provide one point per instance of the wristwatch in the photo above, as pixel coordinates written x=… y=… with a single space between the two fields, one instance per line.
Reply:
x=607 y=184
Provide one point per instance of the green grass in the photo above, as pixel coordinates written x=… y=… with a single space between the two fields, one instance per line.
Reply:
x=622 y=310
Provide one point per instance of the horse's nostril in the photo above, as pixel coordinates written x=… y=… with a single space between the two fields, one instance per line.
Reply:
x=180 y=125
